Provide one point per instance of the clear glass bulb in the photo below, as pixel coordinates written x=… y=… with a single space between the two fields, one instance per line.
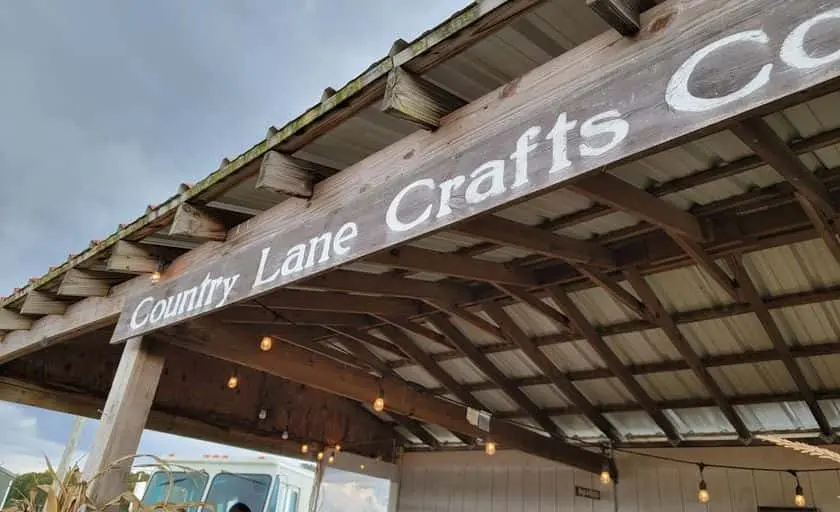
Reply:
x=799 y=500
x=490 y=448
x=304 y=448
x=232 y=382
x=703 y=493
x=606 y=478
x=379 y=404
x=266 y=343
x=320 y=455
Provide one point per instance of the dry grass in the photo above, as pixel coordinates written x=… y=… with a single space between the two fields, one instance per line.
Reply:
x=70 y=494
x=807 y=449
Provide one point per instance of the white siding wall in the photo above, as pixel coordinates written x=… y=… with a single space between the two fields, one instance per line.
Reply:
x=514 y=482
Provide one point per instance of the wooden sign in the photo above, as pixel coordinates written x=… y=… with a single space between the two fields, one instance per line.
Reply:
x=696 y=64
x=586 y=492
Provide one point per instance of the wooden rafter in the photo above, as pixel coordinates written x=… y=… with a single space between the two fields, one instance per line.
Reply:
x=615 y=290
x=471 y=352
x=288 y=175
x=381 y=284
x=618 y=369
x=84 y=283
x=761 y=138
x=671 y=330
x=760 y=309
x=415 y=99
x=826 y=227
x=306 y=368
x=339 y=302
x=539 y=305
x=417 y=430
x=197 y=223
x=705 y=262
x=268 y=317
x=622 y=15
x=547 y=367
x=41 y=303
x=13 y=321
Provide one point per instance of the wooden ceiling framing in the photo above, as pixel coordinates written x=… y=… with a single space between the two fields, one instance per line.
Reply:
x=350 y=332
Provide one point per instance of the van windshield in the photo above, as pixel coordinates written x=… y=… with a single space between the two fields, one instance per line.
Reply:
x=226 y=489
x=186 y=487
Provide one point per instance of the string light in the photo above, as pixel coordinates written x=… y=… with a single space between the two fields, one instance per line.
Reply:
x=155 y=277
x=379 y=402
x=799 y=494
x=702 y=490
x=362 y=467
x=304 y=448
x=606 y=477
x=337 y=448
x=320 y=456
x=285 y=435
x=266 y=343
x=490 y=448
x=331 y=459
x=233 y=382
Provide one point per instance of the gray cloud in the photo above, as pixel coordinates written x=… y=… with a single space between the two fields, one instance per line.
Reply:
x=107 y=106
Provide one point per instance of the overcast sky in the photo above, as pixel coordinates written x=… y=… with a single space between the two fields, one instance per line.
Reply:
x=107 y=106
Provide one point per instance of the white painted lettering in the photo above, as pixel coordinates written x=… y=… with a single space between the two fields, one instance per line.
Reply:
x=229 y=283
x=680 y=98
x=345 y=233
x=203 y=289
x=134 y=323
x=491 y=177
x=259 y=280
x=158 y=311
x=172 y=305
x=609 y=122
x=189 y=300
x=559 y=136
x=215 y=283
x=391 y=219
x=520 y=155
x=326 y=238
x=793 y=48
x=447 y=188
x=294 y=259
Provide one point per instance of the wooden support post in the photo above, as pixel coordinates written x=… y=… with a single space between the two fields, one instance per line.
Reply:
x=306 y=368
x=194 y=222
x=515 y=234
x=84 y=283
x=622 y=15
x=761 y=138
x=607 y=189
x=763 y=313
x=39 y=303
x=684 y=348
x=614 y=364
x=415 y=99
x=133 y=258
x=123 y=419
x=13 y=321
x=288 y=175
x=547 y=367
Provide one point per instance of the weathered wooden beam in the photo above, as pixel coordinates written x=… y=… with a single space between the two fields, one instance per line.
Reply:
x=421 y=260
x=760 y=309
x=263 y=317
x=339 y=302
x=471 y=352
x=705 y=262
x=826 y=227
x=618 y=369
x=547 y=367
x=133 y=258
x=416 y=429
x=761 y=138
x=321 y=373
x=194 y=222
x=123 y=420
x=359 y=349
x=421 y=330
x=40 y=303
x=538 y=304
x=415 y=99
x=609 y=285
x=300 y=339
x=13 y=321
x=689 y=355
x=617 y=193
x=288 y=175
x=380 y=284
x=515 y=234
x=84 y=283
x=622 y=15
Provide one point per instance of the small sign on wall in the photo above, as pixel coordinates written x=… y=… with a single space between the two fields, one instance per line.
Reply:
x=586 y=492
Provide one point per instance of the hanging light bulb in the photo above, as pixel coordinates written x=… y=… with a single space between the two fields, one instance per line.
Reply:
x=331 y=459
x=320 y=456
x=606 y=477
x=233 y=382
x=285 y=435
x=362 y=467
x=799 y=494
x=379 y=402
x=702 y=491
x=337 y=448
x=266 y=343
x=304 y=448
x=155 y=277
x=490 y=448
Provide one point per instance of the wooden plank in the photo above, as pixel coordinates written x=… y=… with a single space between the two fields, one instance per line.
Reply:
x=614 y=364
x=760 y=309
x=761 y=138
x=197 y=223
x=415 y=99
x=40 y=303
x=421 y=260
x=622 y=15
x=825 y=227
x=473 y=154
x=538 y=304
x=339 y=302
x=607 y=189
x=321 y=373
x=259 y=316
x=84 y=283
x=123 y=419
x=687 y=352
x=288 y=175
x=133 y=258
x=380 y=284
x=13 y=321
x=515 y=234
x=471 y=352
x=547 y=367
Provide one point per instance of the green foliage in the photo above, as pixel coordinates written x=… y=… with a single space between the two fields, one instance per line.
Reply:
x=25 y=483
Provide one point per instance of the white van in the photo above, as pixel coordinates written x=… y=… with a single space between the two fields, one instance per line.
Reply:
x=264 y=484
